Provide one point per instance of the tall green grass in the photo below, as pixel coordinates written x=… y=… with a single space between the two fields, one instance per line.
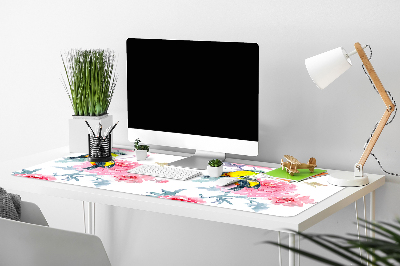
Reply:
x=91 y=80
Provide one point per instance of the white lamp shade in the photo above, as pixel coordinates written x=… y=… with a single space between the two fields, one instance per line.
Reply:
x=326 y=67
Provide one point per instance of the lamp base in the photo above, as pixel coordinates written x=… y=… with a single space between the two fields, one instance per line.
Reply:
x=346 y=179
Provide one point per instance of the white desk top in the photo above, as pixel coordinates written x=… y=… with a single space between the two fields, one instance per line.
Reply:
x=299 y=222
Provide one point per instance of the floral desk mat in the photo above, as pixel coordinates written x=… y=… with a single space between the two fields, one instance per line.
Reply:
x=256 y=192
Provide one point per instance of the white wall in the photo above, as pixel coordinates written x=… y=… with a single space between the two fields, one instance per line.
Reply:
x=296 y=118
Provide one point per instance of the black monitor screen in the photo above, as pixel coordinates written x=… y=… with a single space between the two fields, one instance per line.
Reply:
x=193 y=87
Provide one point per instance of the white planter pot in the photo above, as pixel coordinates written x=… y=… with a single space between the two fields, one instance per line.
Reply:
x=141 y=155
x=214 y=171
x=78 y=131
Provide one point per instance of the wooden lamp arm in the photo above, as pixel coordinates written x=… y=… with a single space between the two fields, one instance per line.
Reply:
x=371 y=71
x=389 y=109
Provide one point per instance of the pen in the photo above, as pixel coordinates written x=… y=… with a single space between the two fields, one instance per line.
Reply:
x=98 y=130
x=112 y=129
x=106 y=133
x=101 y=127
x=89 y=127
x=90 y=132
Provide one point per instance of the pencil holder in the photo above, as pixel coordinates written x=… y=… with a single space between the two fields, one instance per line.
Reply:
x=99 y=149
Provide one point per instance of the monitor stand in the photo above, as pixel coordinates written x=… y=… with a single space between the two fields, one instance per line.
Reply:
x=199 y=160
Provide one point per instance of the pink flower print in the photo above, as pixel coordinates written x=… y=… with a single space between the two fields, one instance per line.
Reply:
x=39 y=176
x=292 y=201
x=184 y=198
x=161 y=181
x=122 y=166
x=133 y=178
x=268 y=188
x=279 y=192
x=119 y=167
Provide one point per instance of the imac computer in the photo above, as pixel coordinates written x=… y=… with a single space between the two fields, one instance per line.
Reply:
x=200 y=95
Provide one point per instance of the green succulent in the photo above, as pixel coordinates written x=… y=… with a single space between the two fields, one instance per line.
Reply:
x=215 y=163
x=140 y=147
x=91 y=80
x=382 y=251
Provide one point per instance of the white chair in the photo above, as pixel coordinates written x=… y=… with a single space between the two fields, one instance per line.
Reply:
x=32 y=243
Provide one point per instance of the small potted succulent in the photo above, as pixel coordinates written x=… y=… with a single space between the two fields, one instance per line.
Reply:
x=214 y=168
x=140 y=150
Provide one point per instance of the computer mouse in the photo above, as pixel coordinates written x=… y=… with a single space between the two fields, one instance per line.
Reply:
x=225 y=181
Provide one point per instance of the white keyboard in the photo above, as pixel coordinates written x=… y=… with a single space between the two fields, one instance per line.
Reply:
x=166 y=172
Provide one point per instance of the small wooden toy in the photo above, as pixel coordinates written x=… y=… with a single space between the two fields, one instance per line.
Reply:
x=293 y=164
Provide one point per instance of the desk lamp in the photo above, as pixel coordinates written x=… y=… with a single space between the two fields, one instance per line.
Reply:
x=323 y=70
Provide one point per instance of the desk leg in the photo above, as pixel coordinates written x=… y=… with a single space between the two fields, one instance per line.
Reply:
x=89 y=217
x=292 y=242
x=372 y=214
x=372 y=210
x=298 y=247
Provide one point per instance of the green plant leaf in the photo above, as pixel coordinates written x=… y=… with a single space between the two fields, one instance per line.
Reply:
x=384 y=251
x=91 y=80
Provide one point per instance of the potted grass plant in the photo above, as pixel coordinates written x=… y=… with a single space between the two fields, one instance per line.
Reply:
x=90 y=83
x=215 y=168
x=140 y=150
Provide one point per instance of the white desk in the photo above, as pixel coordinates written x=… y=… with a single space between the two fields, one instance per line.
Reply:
x=298 y=223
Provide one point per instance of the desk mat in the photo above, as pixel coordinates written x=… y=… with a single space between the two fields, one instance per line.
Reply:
x=259 y=194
